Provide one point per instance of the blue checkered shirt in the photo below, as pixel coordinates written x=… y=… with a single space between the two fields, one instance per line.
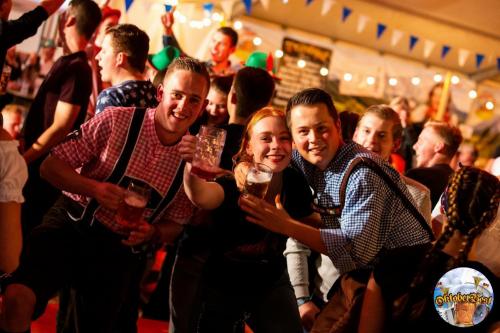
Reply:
x=373 y=217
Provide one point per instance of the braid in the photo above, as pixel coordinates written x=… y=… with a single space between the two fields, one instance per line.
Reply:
x=482 y=191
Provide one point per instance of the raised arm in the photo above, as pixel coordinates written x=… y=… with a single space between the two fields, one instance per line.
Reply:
x=203 y=194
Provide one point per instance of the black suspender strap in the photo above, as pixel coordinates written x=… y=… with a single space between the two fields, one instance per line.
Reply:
x=121 y=165
x=174 y=188
x=358 y=161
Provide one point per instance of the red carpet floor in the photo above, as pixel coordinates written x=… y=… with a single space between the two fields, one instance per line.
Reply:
x=47 y=323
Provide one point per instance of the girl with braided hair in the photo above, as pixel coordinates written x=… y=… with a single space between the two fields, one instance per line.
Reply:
x=399 y=293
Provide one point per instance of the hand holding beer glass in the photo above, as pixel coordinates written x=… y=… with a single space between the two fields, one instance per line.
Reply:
x=209 y=146
x=132 y=206
x=257 y=180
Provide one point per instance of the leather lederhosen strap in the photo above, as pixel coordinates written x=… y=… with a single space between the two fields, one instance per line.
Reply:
x=118 y=172
x=364 y=161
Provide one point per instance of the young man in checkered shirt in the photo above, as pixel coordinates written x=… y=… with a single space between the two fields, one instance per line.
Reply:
x=373 y=217
x=91 y=251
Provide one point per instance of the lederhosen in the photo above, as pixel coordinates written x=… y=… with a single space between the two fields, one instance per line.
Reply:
x=128 y=313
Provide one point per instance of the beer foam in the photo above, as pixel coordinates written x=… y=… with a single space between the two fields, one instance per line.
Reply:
x=258 y=177
x=135 y=201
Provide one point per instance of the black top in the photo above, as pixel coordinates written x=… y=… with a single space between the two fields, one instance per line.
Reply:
x=68 y=81
x=238 y=239
x=435 y=178
x=13 y=32
x=197 y=234
x=394 y=275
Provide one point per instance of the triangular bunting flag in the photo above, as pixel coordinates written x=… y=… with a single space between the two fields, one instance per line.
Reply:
x=396 y=37
x=128 y=3
x=227 y=8
x=413 y=42
x=327 y=5
x=444 y=51
x=479 y=59
x=208 y=7
x=265 y=4
x=498 y=64
x=463 y=54
x=362 y=20
x=308 y=2
x=428 y=47
x=248 y=6
x=346 y=11
x=380 y=29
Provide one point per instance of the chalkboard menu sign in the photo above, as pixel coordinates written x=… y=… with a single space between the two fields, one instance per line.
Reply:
x=300 y=68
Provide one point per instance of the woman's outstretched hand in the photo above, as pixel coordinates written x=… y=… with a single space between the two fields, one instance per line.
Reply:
x=273 y=218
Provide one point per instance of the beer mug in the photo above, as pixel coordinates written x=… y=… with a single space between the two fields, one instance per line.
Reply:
x=257 y=180
x=132 y=206
x=209 y=146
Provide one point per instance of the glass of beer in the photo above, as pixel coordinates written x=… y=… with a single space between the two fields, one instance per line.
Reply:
x=209 y=146
x=132 y=206
x=257 y=180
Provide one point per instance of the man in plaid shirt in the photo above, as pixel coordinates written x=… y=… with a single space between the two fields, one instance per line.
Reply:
x=79 y=241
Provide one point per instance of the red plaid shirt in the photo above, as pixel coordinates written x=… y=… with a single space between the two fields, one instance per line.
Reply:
x=98 y=146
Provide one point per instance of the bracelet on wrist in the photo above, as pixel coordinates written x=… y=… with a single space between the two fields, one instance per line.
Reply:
x=303 y=300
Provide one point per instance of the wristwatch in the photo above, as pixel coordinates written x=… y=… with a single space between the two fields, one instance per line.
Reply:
x=303 y=300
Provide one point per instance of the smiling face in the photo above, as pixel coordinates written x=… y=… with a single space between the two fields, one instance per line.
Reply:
x=375 y=134
x=315 y=134
x=270 y=143
x=217 y=106
x=221 y=47
x=182 y=97
x=107 y=59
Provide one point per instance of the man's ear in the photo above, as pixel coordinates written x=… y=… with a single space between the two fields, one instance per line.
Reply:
x=439 y=147
x=121 y=59
x=71 y=20
x=159 y=92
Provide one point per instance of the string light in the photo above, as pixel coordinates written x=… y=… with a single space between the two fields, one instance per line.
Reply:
x=323 y=71
x=278 y=53
x=438 y=78
x=370 y=80
x=285 y=1
x=415 y=80
x=489 y=105
x=217 y=17
x=393 y=81
x=347 y=77
x=237 y=25
x=455 y=79
x=257 y=41
x=472 y=94
x=301 y=63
